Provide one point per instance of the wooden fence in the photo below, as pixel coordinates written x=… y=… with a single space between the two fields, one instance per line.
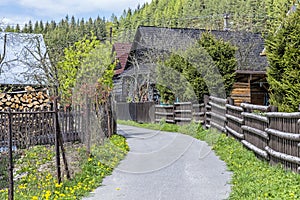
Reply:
x=272 y=136
x=22 y=129
x=139 y=112
x=36 y=127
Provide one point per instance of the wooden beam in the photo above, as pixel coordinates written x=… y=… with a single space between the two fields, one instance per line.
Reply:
x=236 y=119
x=218 y=100
x=237 y=108
x=255 y=107
x=258 y=151
x=235 y=133
x=258 y=132
x=283 y=115
x=283 y=156
x=255 y=116
x=285 y=135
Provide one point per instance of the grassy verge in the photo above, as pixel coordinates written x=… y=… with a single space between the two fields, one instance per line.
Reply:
x=252 y=178
x=36 y=171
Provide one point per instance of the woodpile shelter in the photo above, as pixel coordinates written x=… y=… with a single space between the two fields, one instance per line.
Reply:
x=23 y=80
x=27 y=99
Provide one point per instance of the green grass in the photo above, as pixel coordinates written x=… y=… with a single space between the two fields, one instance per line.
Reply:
x=252 y=178
x=38 y=168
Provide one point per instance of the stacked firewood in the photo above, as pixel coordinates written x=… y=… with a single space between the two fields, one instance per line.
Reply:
x=24 y=100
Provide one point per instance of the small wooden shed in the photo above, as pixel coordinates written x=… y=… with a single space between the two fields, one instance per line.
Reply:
x=251 y=87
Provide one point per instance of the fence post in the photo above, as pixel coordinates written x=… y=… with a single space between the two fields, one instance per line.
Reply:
x=10 y=168
x=206 y=101
x=60 y=139
x=88 y=124
x=56 y=125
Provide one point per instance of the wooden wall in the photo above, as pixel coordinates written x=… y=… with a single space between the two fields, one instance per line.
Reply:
x=241 y=92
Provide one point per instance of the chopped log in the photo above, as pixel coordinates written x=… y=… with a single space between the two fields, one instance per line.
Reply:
x=2 y=95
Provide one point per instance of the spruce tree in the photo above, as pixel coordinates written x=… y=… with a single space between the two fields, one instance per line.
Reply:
x=283 y=54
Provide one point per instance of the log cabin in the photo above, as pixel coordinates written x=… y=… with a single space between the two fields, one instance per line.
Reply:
x=250 y=84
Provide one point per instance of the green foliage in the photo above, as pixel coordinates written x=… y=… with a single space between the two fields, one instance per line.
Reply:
x=206 y=68
x=223 y=55
x=248 y=15
x=284 y=60
x=72 y=63
x=87 y=68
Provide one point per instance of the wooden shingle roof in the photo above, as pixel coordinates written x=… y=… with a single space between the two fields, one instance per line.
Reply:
x=249 y=45
x=122 y=51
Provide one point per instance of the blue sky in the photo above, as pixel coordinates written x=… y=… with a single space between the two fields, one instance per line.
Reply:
x=21 y=11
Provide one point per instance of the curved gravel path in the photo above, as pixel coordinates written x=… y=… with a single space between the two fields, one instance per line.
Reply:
x=164 y=165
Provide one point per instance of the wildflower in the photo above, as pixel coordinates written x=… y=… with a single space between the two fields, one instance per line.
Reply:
x=58 y=185
x=34 y=198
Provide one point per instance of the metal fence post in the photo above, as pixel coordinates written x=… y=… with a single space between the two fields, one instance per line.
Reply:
x=56 y=129
x=10 y=168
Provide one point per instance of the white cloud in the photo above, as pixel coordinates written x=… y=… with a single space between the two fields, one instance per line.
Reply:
x=63 y=7
x=14 y=20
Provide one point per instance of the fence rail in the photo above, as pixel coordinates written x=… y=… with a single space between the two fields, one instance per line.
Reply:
x=272 y=136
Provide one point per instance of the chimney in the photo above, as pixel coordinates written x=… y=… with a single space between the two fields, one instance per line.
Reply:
x=110 y=35
x=226 y=22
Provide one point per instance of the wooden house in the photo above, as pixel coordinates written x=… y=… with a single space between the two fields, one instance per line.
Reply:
x=121 y=51
x=157 y=42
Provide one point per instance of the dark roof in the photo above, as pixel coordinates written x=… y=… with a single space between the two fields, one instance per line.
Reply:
x=122 y=51
x=249 y=45
x=23 y=59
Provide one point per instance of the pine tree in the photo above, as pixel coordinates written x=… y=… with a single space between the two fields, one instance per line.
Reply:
x=30 y=28
x=17 y=29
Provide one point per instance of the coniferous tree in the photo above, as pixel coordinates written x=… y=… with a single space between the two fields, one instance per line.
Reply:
x=17 y=29
x=30 y=28
x=283 y=72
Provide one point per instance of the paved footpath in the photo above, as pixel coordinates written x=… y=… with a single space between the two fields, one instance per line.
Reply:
x=165 y=166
